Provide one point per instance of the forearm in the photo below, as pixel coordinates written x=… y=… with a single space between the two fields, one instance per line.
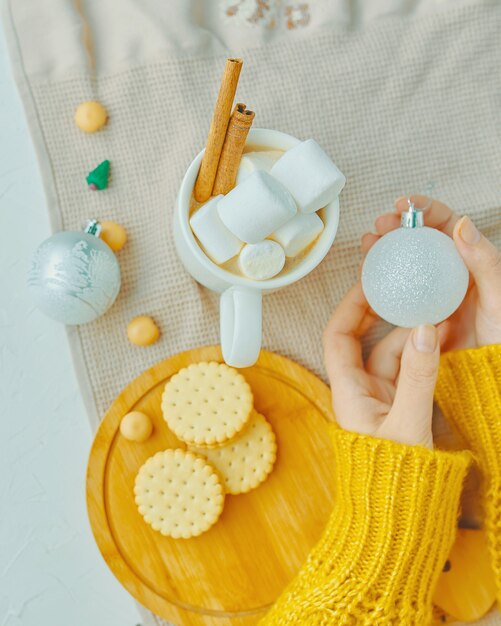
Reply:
x=386 y=541
x=469 y=394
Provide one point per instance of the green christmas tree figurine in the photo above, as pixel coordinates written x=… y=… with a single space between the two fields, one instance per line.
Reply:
x=98 y=178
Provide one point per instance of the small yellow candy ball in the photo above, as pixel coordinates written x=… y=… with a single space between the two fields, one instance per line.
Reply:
x=113 y=234
x=136 y=426
x=90 y=116
x=142 y=331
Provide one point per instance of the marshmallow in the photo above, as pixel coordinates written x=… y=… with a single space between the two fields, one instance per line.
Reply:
x=298 y=233
x=310 y=175
x=252 y=161
x=256 y=207
x=216 y=240
x=262 y=260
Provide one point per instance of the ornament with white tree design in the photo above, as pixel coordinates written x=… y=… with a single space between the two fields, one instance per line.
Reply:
x=75 y=277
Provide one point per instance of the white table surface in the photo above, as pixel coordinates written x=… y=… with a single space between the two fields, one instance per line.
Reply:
x=51 y=572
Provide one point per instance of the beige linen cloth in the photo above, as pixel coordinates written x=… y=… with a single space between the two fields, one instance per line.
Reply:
x=399 y=92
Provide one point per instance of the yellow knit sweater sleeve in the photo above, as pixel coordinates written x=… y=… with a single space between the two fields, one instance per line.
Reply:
x=387 y=539
x=469 y=394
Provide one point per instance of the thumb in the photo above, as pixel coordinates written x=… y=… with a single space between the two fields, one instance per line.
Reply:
x=411 y=413
x=484 y=262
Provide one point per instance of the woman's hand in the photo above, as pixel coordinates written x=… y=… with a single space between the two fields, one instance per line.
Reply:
x=391 y=395
x=477 y=322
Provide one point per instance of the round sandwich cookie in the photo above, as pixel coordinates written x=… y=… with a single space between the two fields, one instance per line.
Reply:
x=245 y=462
x=179 y=493
x=207 y=404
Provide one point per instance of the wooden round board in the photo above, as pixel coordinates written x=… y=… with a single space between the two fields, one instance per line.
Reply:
x=232 y=573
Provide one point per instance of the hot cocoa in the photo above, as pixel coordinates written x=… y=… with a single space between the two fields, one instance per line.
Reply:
x=224 y=243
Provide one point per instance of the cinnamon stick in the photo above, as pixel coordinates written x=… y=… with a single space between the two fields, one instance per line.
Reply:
x=217 y=131
x=238 y=128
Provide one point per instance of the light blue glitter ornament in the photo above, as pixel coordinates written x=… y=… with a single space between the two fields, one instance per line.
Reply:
x=74 y=277
x=414 y=275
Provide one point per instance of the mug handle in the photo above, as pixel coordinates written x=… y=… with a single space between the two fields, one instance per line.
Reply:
x=241 y=325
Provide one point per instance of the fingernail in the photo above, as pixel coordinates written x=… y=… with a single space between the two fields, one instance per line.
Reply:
x=468 y=232
x=425 y=338
x=400 y=199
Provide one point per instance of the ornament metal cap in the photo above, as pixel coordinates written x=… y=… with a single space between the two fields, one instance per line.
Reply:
x=93 y=227
x=413 y=218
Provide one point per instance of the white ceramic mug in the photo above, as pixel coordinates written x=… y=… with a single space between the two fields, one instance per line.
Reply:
x=241 y=298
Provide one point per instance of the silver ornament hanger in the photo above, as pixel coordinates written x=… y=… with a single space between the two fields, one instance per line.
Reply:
x=413 y=218
x=93 y=227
